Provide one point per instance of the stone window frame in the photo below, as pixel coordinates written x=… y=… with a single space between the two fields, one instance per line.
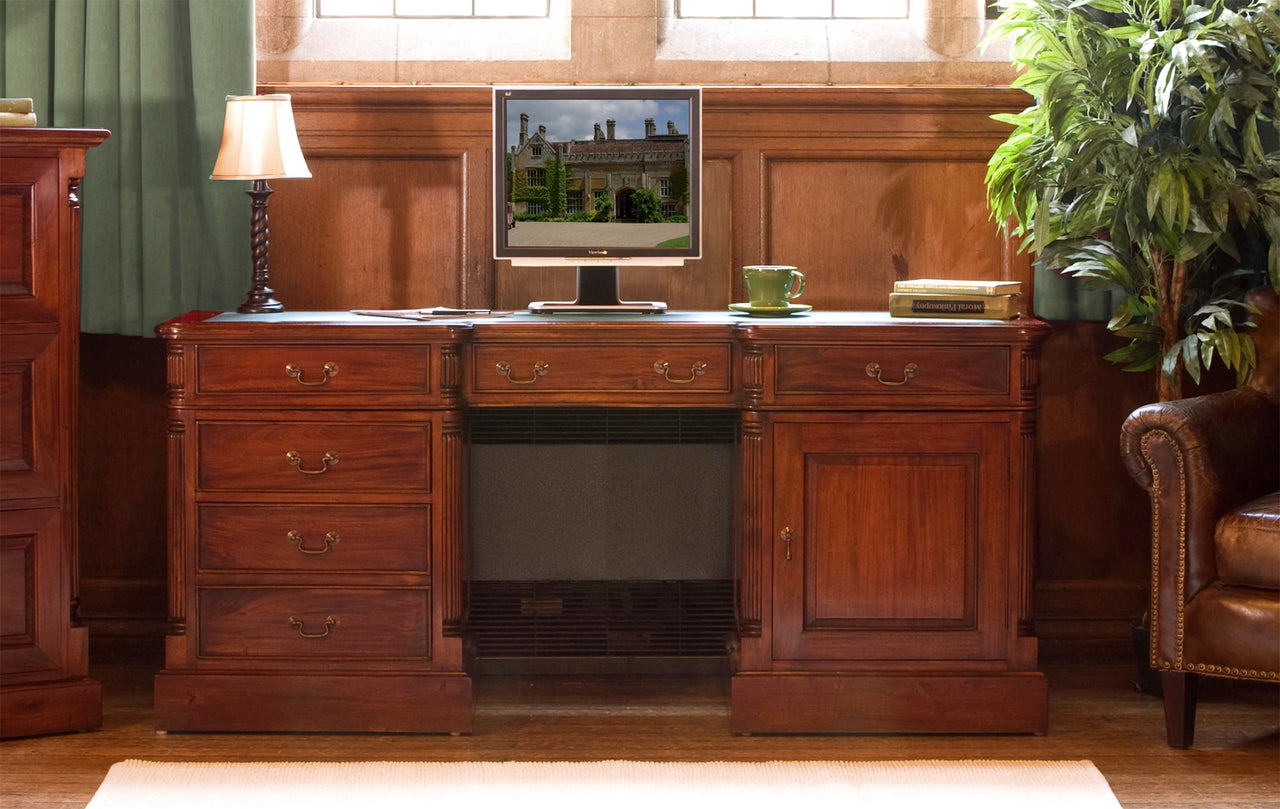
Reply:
x=791 y=9
x=933 y=31
x=478 y=9
x=290 y=30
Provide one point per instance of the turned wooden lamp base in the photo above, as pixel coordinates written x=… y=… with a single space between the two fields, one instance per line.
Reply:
x=261 y=297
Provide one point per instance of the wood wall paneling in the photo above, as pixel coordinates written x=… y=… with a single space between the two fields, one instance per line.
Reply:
x=122 y=492
x=370 y=233
x=854 y=226
x=858 y=186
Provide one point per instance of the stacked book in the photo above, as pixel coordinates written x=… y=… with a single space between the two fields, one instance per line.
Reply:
x=17 y=112
x=932 y=297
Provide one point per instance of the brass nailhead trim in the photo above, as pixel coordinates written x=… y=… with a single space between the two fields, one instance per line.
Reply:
x=1180 y=664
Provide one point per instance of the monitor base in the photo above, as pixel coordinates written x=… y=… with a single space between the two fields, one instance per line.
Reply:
x=575 y=308
x=597 y=292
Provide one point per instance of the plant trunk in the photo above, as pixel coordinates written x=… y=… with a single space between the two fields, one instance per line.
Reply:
x=1171 y=277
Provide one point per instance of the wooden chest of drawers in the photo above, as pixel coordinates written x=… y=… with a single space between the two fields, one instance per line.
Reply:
x=884 y=511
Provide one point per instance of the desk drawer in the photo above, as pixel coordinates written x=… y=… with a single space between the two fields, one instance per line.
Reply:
x=309 y=538
x=314 y=371
x=314 y=456
x=879 y=370
x=314 y=623
x=669 y=369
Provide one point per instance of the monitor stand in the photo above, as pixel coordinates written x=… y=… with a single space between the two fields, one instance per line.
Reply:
x=597 y=294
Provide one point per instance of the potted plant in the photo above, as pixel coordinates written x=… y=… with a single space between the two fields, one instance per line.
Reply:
x=1149 y=161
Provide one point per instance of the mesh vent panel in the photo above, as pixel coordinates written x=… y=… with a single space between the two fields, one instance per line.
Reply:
x=600 y=618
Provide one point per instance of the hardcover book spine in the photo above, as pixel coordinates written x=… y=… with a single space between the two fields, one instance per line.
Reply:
x=1001 y=307
x=941 y=287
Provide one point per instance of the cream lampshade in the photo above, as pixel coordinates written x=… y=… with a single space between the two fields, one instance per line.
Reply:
x=259 y=143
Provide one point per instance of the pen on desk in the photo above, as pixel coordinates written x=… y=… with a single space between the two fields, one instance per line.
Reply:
x=441 y=313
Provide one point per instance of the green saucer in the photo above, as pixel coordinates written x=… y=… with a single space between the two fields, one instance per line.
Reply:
x=770 y=311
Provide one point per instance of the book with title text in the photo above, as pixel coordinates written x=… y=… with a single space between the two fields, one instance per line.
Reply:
x=949 y=298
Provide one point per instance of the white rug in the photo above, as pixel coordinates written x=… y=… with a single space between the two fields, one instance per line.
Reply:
x=606 y=785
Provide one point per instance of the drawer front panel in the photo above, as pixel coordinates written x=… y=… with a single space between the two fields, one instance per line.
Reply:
x=314 y=371
x=314 y=623
x=892 y=370
x=308 y=538
x=314 y=457
x=602 y=369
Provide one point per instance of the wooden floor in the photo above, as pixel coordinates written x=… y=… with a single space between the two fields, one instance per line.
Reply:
x=1095 y=714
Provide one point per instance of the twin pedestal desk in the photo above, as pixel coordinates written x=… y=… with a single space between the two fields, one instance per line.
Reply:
x=884 y=512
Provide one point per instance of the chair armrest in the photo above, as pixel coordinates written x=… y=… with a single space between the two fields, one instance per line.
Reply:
x=1198 y=458
x=1229 y=437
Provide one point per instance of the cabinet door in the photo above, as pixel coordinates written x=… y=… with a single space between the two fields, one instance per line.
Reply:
x=890 y=537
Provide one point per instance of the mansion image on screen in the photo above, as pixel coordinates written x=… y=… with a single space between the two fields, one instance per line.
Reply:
x=602 y=166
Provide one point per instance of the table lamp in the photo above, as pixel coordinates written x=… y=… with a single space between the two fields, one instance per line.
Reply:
x=259 y=143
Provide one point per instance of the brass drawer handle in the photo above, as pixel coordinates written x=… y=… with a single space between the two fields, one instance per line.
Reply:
x=329 y=459
x=787 y=536
x=696 y=370
x=330 y=539
x=873 y=370
x=329 y=623
x=329 y=371
x=539 y=371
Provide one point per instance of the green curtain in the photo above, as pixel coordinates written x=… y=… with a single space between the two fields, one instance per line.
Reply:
x=159 y=237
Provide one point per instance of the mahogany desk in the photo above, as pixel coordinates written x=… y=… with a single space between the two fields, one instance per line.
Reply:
x=884 y=512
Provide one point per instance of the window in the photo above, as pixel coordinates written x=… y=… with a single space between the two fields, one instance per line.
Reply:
x=536 y=178
x=664 y=188
x=535 y=151
x=533 y=208
x=432 y=8
x=573 y=201
x=830 y=31
x=794 y=9
x=406 y=31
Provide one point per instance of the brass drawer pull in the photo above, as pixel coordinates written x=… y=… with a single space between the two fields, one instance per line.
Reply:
x=787 y=536
x=329 y=459
x=329 y=371
x=330 y=539
x=696 y=370
x=539 y=370
x=329 y=623
x=873 y=370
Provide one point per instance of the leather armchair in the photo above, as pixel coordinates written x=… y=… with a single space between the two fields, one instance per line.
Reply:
x=1211 y=464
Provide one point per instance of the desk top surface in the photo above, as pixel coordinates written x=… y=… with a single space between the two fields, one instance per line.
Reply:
x=524 y=318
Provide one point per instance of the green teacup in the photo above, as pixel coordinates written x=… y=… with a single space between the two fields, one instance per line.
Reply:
x=771 y=285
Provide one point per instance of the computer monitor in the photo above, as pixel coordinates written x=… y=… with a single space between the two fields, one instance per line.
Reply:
x=597 y=178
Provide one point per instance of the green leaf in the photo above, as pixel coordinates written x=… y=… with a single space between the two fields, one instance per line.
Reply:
x=1169 y=364
x=1249 y=357
x=1190 y=358
x=1229 y=347
x=1120 y=318
x=1254 y=154
x=1206 y=355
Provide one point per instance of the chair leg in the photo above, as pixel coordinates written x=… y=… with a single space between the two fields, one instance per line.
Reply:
x=1179 y=707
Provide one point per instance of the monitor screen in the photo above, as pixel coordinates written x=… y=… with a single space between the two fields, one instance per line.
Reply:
x=597 y=175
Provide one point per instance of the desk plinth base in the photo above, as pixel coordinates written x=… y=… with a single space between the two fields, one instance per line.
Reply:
x=315 y=703
x=788 y=702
